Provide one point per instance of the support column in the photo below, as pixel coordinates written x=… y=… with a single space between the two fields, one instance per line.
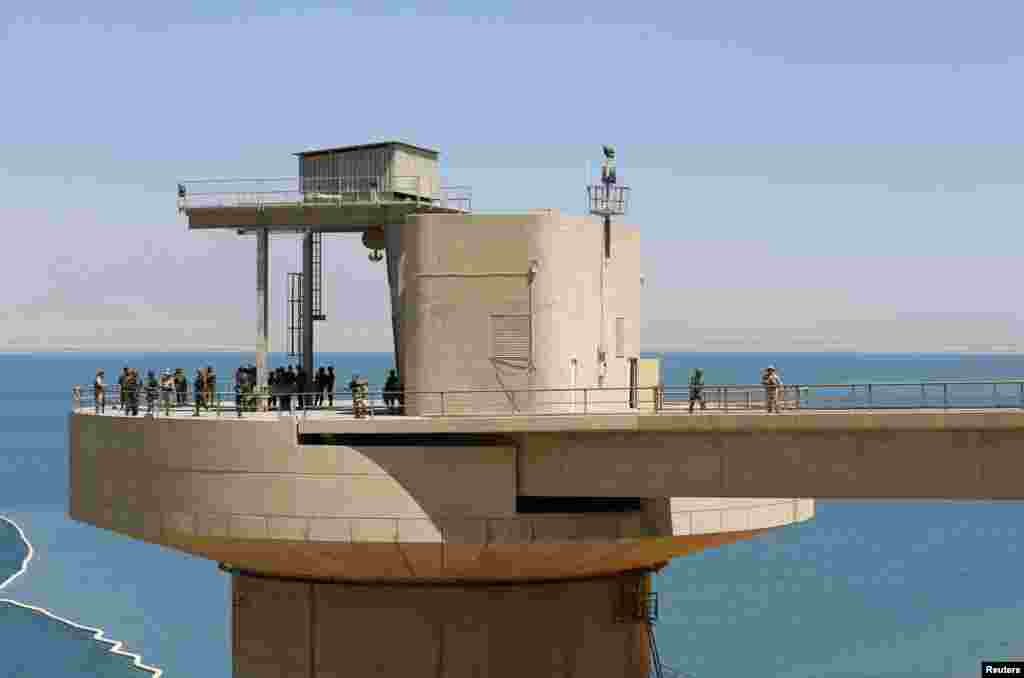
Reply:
x=392 y=252
x=571 y=628
x=307 y=309
x=262 y=305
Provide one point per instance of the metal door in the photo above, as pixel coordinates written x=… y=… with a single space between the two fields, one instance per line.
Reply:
x=634 y=378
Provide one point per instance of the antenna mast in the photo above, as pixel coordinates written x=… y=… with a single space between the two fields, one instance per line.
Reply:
x=606 y=200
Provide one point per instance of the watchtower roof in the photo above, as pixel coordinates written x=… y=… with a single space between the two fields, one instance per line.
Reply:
x=379 y=144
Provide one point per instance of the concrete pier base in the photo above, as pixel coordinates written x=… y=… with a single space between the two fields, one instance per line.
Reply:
x=564 y=629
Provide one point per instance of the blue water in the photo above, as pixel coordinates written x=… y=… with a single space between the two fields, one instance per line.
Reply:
x=863 y=589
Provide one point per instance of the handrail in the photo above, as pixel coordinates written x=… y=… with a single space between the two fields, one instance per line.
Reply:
x=596 y=400
x=321 y=191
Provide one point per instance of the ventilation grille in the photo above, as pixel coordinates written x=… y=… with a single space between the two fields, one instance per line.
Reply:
x=510 y=338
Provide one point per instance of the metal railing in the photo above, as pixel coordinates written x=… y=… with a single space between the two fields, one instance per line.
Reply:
x=323 y=191
x=580 y=401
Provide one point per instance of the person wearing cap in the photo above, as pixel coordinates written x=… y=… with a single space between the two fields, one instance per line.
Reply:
x=772 y=383
x=697 y=389
x=99 y=398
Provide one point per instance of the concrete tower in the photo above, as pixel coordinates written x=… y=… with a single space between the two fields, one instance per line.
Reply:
x=449 y=541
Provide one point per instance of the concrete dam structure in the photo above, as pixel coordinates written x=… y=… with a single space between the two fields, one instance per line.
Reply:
x=507 y=524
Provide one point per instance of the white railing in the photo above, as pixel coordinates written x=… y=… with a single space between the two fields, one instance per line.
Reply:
x=567 y=401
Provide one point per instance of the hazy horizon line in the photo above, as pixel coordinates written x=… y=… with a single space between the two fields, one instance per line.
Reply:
x=137 y=349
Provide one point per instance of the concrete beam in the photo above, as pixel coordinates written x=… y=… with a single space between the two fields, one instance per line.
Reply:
x=347 y=218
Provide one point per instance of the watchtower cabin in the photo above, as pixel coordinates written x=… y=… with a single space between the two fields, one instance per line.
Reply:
x=382 y=172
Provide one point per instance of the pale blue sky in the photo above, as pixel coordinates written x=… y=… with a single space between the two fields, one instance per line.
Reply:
x=806 y=174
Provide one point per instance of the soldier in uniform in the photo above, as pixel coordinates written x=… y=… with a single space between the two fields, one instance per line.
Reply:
x=211 y=387
x=391 y=392
x=697 y=389
x=166 y=391
x=772 y=384
x=131 y=387
x=199 y=387
x=99 y=397
x=152 y=390
x=358 y=387
x=330 y=385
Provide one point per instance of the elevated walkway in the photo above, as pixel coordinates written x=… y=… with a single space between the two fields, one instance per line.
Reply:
x=328 y=205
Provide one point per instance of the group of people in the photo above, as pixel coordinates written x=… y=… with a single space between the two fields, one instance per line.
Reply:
x=171 y=390
x=770 y=379
x=286 y=382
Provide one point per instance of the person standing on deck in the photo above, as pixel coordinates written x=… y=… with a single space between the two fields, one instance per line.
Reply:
x=239 y=389
x=329 y=385
x=697 y=389
x=99 y=397
x=120 y=388
x=199 y=387
x=773 y=384
x=166 y=391
x=131 y=392
x=272 y=390
x=302 y=388
x=211 y=387
x=391 y=392
x=319 y=385
x=152 y=390
x=180 y=386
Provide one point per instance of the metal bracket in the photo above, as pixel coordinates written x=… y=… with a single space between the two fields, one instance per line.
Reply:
x=637 y=605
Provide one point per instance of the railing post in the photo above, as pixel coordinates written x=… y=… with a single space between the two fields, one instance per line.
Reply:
x=586 y=398
x=443 y=406
x=725 y=398
x=945 y=396
x=869 y=396
x=1021 y=386
x=924 y=396
x=748 y=400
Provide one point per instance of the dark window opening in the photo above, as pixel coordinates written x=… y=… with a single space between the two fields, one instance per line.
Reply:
x=406 y=439
x=578 y=504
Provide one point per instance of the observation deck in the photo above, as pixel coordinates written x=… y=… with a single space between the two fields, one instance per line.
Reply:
x=870 y=441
